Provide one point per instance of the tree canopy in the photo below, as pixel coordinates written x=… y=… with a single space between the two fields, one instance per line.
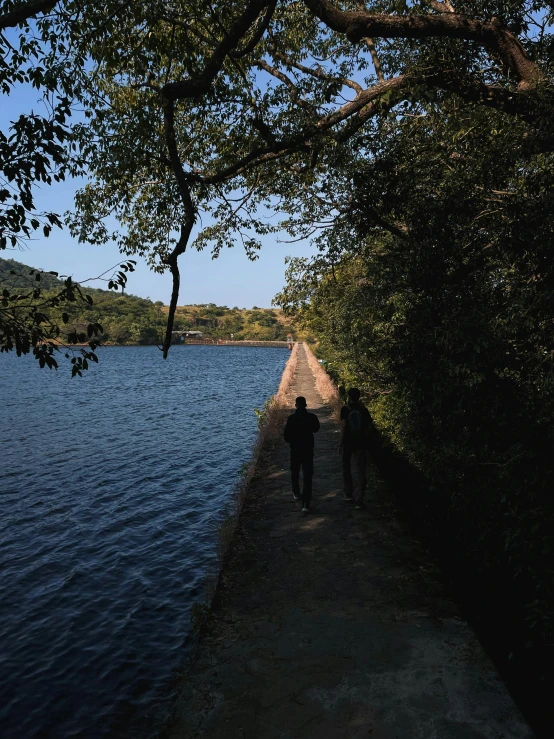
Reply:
x=433 y=293
x=225 y=110
x=223 y=113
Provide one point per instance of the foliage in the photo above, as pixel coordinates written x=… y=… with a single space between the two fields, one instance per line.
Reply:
x=113 y=318
x=51 y=316
x=31 y=315
x=229 y=110
x=414 y=140
x=443 y=316
x=219 y=114
x=221 y=323
x=43 y=49
x=38 y=146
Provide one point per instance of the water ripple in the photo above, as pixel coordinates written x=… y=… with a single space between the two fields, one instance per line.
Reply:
x=111 y=490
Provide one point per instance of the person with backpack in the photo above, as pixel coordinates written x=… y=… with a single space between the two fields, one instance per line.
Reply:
x=299 y=433
x=355 y=422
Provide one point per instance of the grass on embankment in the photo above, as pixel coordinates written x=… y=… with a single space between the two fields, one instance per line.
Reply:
x=270 y=422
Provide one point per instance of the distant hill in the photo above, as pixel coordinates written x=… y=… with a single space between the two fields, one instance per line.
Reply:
x=220 y=322
x=125 y=319
x=23 y=278
x=128 y=319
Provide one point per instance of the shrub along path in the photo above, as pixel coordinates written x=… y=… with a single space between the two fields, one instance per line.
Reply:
x=335 y=624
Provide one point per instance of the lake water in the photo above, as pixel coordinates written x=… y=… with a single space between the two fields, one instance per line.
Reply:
x=111 y=490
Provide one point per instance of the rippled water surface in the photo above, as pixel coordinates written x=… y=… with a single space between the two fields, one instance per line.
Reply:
x=111 y=490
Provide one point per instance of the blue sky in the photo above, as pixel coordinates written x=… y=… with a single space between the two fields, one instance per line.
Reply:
x=231 y=279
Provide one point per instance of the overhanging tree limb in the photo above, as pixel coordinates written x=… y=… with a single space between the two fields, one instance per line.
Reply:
x=187 y=224
x=304 y=139
x=380 y=97
x=192 y=88
x=357 y=25
x=195 y=87
x=23 y=12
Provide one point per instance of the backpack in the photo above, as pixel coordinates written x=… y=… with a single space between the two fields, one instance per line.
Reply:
x=355 y=425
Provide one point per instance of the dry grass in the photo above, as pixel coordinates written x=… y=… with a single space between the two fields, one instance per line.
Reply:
x=324 y=385
x=270 y=421
x=269 y=424
x=287 y=377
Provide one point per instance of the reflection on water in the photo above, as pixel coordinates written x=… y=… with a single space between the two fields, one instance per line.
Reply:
x=111 y=489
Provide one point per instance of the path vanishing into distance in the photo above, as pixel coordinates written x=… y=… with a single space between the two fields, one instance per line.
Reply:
x=335 y=624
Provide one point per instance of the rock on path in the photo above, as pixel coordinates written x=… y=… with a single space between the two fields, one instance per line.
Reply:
x=335 y=624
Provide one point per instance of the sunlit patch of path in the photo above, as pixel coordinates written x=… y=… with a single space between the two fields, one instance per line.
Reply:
x=335 y=624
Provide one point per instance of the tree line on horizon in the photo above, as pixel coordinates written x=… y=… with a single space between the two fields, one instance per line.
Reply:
x=125 y=319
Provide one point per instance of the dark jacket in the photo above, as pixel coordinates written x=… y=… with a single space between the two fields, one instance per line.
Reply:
x=362 y=437
x=299 y=432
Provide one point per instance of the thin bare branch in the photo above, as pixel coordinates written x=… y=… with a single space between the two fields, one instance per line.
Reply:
x=375 y=59
x=282 y=77
x=189 y=27
x=318 y=72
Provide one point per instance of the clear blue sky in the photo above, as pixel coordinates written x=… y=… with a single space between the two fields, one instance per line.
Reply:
x=230 y=280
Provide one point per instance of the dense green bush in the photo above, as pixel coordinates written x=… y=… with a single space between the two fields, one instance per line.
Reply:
x=446 y=325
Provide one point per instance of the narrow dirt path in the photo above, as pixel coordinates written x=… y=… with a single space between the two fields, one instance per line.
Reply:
x=335 y=624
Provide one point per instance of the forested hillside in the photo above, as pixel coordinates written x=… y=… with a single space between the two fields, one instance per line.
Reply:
x=128 y=319
x=220 y=322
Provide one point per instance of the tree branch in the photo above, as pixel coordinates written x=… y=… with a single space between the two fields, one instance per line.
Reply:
x=375 y=59
x=319 y=73
x=397 y=229
x=200 y=85
x=274 y=72
x=186 y=226
x=368 y=104
x=357 y=25
x=491 y=96
x=257 y=37
x=193 y=88
x=23 y=12
x=440 y=7
x=189 y=28
x=360 y=101
x=304 y=139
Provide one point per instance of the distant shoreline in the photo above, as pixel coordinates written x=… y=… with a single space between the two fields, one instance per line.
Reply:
x=251 y=343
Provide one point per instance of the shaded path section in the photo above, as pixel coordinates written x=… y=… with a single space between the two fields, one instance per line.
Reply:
x=335 y=624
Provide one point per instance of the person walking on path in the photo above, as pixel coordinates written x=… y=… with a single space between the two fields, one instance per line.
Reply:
x=299 y=433
x=355 y=423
